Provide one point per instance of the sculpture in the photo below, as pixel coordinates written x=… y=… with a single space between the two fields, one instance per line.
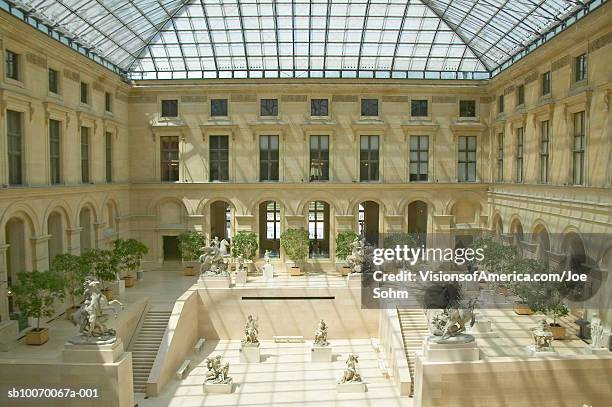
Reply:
x=598 y=333
x=542 y=337
x=320 y=338
x=356 y=259
x=211 y=260
x=267 y=256
x=217 y=372
x=251 y=330
x=351 y=373
x=452 y=321
x=92 y=316
x=223 y=248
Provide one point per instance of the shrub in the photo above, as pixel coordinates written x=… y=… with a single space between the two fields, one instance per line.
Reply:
x=36 y=291
x=343 y=243
x=190 y=245
x=244 y=245
x=129 y=253
x=103 y=264
x=295 y=243
x=74 y=271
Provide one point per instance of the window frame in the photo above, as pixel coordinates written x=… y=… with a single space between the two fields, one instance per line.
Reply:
x=15 y=72
x=327 y=108
x=581 y=152
x=546 y=84
x=163 y=104
x=108 y=157
x=108 y=102
x=212 y=112
x=362 y=106
x=520 y=155
x=85 y=158
x=167 y=161
x=520 y=95
x=544 y=156
x=419 y=151
x=55 y=161
x=218 y=162
x=276 y=109
x=368 y=160
x=412 y=109
x=325 y=161
x=57 y=91
x=475 y=109
x=466 y=162
x=84 y=86
x=581 y=68
x=325 y=221
x=13 y=154
x=500 y=157
x=269 y=159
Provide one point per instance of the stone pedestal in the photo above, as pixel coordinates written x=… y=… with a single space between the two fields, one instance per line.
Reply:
x=268 y=273
x=533 y=351
x=118 y=288
x=351 y=387
x=354 y=280
x=482 y=329
x=219 y=388
x=92 y=353
x=241 y=277
x=461 y=348
x=250 y=354
x=223 y=281
x=321 y=354
x=590 y=350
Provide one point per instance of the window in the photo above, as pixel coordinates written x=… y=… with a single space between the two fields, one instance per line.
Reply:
x=467 y=108
x=53 y=81
x=419 y=158
x=546 y=83
x=467 y=159
x=319 y=107
x=15 y=147
x=219 y=158
x=84 y=93
x=218 y=107
x=544 y=150
x=500 y=104
x=169 y=108
x=271 y=222
x=418 y=108
x=12 y=65
x=268 y=158
x=169 y=158
x=500 y=157
x=54 y=152
x=519 y=154
x=108 y=102
x=579 y=148
x=85 y=155
x=369 y=107
x=520 y=95
x=319 y=158
x=318 y=229
x=108 y=155
x=581 y=68
x=269 y=107
x=368 y=159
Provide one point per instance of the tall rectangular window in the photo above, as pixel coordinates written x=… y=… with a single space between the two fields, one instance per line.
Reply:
x=418 y=108
x=318 y=229
x=419 y=158
x=84 y=93
x=108 y=155
x=546 y=83
x=273 y=231
x=319 y=158
x=520 y=95
x=169 y=108
x=369 y=158
x=500 y=104
x=12 y=65
x=268 y=158
x=169 y=158
x=581 y=67
x=500 y=157
x=55 y=152
x=369 y=107
x=519 y=154
x=218 y=107
x=268 y=107
x=319 y=107
x=14 y=127
x=544 y=150
x=108 y=102
x=579 y=149
x=467 y=108
x=85 y=155
x=467 y=159
x=53 y=81
x=219 y=158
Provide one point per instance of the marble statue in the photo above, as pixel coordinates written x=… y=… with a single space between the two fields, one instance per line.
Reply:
x=211 y=260
x=223 y=248
x=251 y=330
x=451 y=322
x=93 y=315
x=351 y=372
x=217 y=371
x=267 y=257
x=542 y=337
x=598 y=333
x=356 y=259
x=320 y=338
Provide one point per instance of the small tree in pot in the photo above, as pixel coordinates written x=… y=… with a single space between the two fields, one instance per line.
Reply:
x=74 y=270
x=343 y=248
x=190 y=246
x=104 y=266
x=35 y=293
x=244 y=245
x=129 y=254
x=295 y=244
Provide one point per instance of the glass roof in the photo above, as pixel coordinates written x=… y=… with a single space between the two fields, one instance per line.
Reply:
x=163 y=39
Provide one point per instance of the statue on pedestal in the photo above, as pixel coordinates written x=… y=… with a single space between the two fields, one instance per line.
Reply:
x=251 y=331
x=542 y=337
x=211 y=260
x=267 y=257
x=320 y=338
x=217 y=372
x=351 y=372
x=356 y=259
x=451 y=322
x=223 y=248
x=598 y=333
x=93 y=315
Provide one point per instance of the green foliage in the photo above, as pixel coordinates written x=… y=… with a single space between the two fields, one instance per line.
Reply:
x=295 y=243
x=497 y=257
x=343 y=243
x=102 y=264
x=74 y=271
x=190 y=245
x=244 y=245
x=36 y=291
x=129 y=253
x=393 y=240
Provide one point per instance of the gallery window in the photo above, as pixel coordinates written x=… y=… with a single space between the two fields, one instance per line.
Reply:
x=467 y=108
x=169 y=108
x=169 y=158
x=84 y=93
x=519 y=154
x=520 y=95
x=219 y=158
x=419 y=158
x=85 y=155
x=544 y=150
x=500 y=104
x=318 y=229
x=500 y=157
x=369 y=107
x=418 y=108
x=218 y=107
x=108 y=155
x=108 y=102
x=319 y=158
x=12 y=65
x=15 y=146
x=53 y=81
x=54 y=152
x=581 y=68
x=369 y=158
x=467 y=159
x=579 y=149
x=269 y=228
x=319 y=107
x=546 y=83
x=268 y=107
x=268 y=158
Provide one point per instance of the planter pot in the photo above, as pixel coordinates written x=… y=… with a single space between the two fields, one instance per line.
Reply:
x=70 y=311
x=345 y=271
x=189 y=271
x=522 y=309
x=558 y=331
x=37 y=336
x=295 y=271
x=108 y=293
x=129 y=281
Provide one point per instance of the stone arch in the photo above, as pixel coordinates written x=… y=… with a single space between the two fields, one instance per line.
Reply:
x=62 y=207
x=541 y=237
x=497 y=224
x=235 y=204
x=24 y=210
x=466 y=211
x=169 y=211
x=432 y=206
x=416 y=224
x=87 y=220
x=516 y=229
x=302 y=208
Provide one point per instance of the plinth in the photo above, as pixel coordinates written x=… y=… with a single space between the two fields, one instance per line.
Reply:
x=354 y=280
x=321 y=353
x=91 y=352
x=241 y=277
x=268 y=273
x=219 y=388
x=590 y=350
x=532 y=350
x=351 y=387
x=460 y=348
x=249 y=353
x=212 y=281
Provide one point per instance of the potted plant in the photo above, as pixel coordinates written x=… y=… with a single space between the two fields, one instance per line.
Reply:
x=190 y=246
x=35 y=293
x=74 y=271
x=527 y=291
x=104 y=266
x=244 y=245
x=129 y=254
x=343 y=248
x=295 y=244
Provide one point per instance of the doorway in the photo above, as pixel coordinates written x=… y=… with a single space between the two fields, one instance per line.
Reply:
x=171 y=248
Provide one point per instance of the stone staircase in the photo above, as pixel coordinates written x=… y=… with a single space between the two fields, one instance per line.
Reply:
x=414 y=330
x=144 y=349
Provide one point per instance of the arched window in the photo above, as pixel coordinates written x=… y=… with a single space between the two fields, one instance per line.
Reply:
x=318 y=229
x=269 y=228
x=368 y=213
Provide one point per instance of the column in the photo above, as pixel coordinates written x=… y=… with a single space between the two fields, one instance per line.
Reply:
x=40 y=259
x=74 y=240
